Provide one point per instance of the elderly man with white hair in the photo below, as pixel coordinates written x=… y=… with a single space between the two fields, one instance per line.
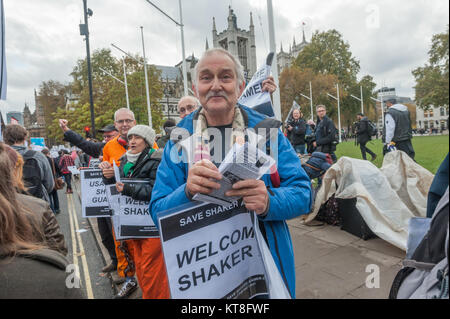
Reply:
x=218 y=83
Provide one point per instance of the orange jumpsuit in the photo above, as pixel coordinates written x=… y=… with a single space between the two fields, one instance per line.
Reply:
x=150 y=268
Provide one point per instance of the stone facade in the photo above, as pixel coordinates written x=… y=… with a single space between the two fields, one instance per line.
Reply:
x=285 y=59
x=239 y=42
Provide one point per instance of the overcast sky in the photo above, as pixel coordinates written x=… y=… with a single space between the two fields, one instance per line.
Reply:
x=390 y=38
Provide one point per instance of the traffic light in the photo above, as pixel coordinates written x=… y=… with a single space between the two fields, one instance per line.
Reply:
x=87 y=130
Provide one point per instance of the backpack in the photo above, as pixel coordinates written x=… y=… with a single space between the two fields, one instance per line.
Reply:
x=32 y=175
x=329 y=212
x=372 y=129
x=425 y=273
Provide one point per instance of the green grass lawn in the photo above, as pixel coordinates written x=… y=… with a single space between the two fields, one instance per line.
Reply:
x=430 y=150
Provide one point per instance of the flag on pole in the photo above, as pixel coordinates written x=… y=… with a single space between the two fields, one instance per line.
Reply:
x=2 y=54
x=253 y=96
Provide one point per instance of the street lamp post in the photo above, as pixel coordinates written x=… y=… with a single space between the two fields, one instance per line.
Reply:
x=310 y=100
x=276 y=94
x=166 y=93
x=180 y=24
x=339 y=110
x=118 y=80
x=360 y=99
x=84 y=30
x=382 y=109
x=146 y=81
x=145 y=62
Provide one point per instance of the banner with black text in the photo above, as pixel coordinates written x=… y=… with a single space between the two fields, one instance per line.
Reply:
x=94 y=202
x=211 y=251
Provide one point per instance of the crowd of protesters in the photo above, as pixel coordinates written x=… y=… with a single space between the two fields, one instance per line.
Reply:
x=31 y=180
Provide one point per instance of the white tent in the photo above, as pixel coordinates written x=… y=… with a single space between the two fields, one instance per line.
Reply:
x=386 y=198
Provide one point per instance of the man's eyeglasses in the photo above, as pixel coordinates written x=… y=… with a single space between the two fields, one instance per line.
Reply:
x=128 y=121
x=186 y=109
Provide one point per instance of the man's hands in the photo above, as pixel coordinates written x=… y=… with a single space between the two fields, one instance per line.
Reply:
x=269 y=85
x=254 y=193
x=107 y=169
x=201 y=180
x=63 y=125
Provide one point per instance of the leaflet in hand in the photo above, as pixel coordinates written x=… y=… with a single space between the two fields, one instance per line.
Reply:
x=242 y=162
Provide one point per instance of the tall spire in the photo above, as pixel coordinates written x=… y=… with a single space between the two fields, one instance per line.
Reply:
x=207 y=45
x=214 y=25
x=251 y=21
x=294 y=41
x=281 y=50
x=304 y=38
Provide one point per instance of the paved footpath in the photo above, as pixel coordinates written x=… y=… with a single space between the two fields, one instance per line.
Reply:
x=330 y=263
x=333 y=264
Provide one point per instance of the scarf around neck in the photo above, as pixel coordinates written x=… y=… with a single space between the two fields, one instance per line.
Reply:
x=201 y=136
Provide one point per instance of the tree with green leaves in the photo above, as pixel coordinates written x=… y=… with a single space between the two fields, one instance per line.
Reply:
x=295 y=81
x=432 y=80
x=109 y=94
x=328 y=53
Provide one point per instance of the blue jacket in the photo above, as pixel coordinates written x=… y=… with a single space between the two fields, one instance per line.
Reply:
x=290 y=200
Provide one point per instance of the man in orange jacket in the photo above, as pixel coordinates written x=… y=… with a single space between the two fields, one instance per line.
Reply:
x=112 y=152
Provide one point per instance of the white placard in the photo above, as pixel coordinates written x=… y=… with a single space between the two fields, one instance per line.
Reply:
x=116 y=171
x=73 y=169
x=211 y=251
x=94 y=202
x=253 y=96
x=134 y=216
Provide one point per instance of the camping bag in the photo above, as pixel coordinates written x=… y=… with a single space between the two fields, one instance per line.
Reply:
x=425 y=274
x=317 y=164
x=351 y=219
x=372 y=128
x=329 y=212
x=32 y=175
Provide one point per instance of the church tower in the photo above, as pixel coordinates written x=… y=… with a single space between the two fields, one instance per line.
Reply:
x=240 y=43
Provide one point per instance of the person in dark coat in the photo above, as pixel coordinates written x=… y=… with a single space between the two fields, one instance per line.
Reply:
x=29 y=268
x=54 y=200
x=363 y=136
x=168 y=126
x=325 y=133
x=94 y=149
x=297 y=132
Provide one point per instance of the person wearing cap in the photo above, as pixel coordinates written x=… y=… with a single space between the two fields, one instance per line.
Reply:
x=168 y=127
x=141 y=162
x=397 y=130
x=363 y=136
x=93 y=149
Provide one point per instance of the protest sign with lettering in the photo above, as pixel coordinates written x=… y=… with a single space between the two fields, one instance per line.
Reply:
x=211 y=251
x=253 y=95
x=134 y=219
x=94 y=202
